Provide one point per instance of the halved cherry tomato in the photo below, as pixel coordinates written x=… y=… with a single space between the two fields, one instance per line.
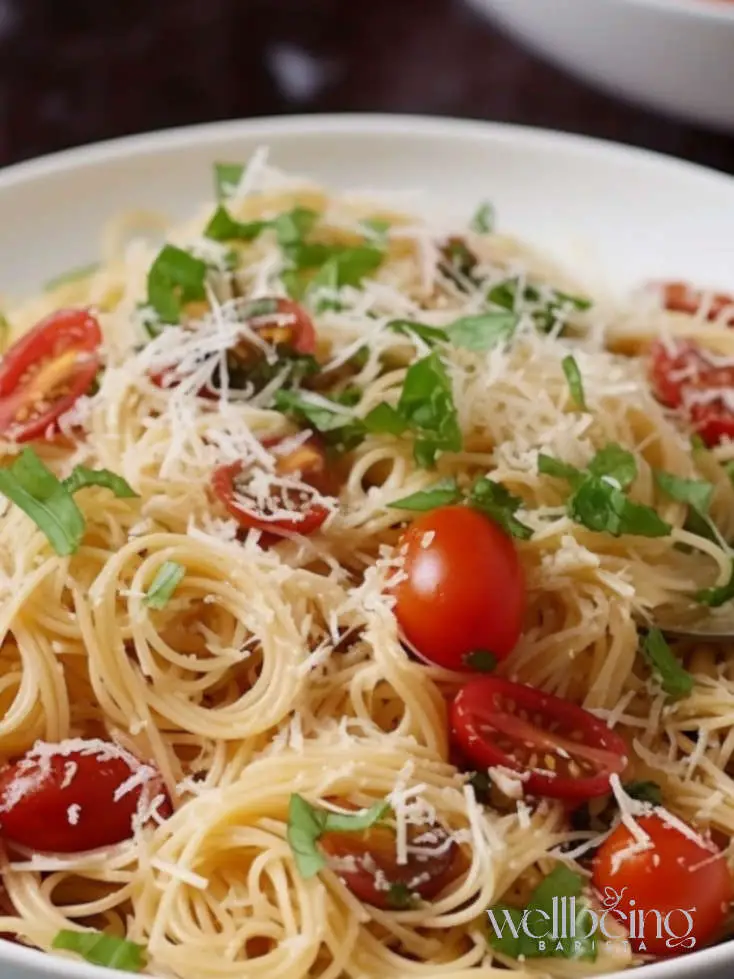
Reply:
x=83 y=796
x=682 y=297
x=675 y=875
x=685 y=376
x=559 y=749
x=464 y=591
x=44 y=373
x=367 y=863
x=307 y=462
x=282 y=323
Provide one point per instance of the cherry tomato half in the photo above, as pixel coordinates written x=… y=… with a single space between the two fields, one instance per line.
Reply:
x=464 y=591
x=675 y=875
x=561 y=750
x=307 y=462
x=282 y=323
x=685 y=376
x=367 y=863
x=84 y=796
x=44 y=373
x=682 y=297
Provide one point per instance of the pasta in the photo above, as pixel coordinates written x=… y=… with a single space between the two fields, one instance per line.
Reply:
x=243 y=669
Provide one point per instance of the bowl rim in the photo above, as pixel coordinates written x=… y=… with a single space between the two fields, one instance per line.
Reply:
x=40 y=964
x=718 y=10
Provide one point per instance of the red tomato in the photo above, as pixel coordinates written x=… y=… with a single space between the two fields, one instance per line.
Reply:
x=464 y=590
x=684 y=298
x=280 y=322
x=561 y=750
x=367 y=863
x=674 y=876
x=44 y=373
x=83 y=796
x=686 y=377
x=308 y=462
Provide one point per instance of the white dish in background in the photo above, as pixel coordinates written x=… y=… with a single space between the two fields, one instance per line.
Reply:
x=676 y=56
x=638 y=215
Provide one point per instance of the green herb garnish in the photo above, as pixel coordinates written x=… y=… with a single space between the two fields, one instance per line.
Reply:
x=575 y=381
x=306 y=825
x=169 y=577
x=98 y=948
x=496 y=502
x=175 y=278
x=227 y=178
x=675 y=681
x=443 y=493
x=483 y=221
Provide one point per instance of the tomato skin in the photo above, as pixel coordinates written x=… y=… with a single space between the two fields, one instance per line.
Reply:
x=488 y=729
x=682 y=372
x=36 y=798
x=685 y=876
x=373 y=855
x=64 y=349
x=465 y=587
x=310 y=460
x=682 y=297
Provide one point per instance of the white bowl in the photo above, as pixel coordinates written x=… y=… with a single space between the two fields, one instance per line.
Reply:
x=676 y=56
x=635 y=214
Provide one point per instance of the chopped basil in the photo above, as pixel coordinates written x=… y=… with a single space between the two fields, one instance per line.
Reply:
x=49 y=502
x=697 y=493
x=306 y=825
x=175 y=278
x=400 y=897
x=73 y=275
x=644 y=792
x=291 y=227
x=377 y=229
x=223 y=227
x=550 y=466
x=529 y=932
x=385 y=420
x=675 y=681
x=484 y=219
x=98 y=948
x=347 y=267
x=169 y=577
x=575 y=381
x=718 y=595
x=545 y=308
x=227 y=178
x=603 y=508
x=429 y=334
x=460 y=262
x=81 y=477
x=481 y=660
x=500 y=505
x=484 y=331
x=341 y=431
x=443 y=493
x=614 y=462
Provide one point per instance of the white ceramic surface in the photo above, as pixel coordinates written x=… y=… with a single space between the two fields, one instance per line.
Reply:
x=632 y=213
x=676 y=56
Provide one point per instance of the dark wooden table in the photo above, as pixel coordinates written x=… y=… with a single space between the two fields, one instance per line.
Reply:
x=74 y=71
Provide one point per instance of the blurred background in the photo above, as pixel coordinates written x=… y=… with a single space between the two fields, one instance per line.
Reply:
x=75 y=71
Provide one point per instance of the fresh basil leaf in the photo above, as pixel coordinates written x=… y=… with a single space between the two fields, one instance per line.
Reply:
x=481 y=660
x=175 y=278
x=227 y=178
x=223 y=227
x=483 y=331
x=575 y=381
x=496 y=502
x=349 y=397
x=321 y=416
x=644 y=792
x=601 y=507
x=615 y=463
x=400 y=897
x=429 y=334
x=385 y=420
x=427 y=405
x=459 y=263
x=291 y=227
x=484 y=219
x=697 y=493
x=73 y=275
x=308 y=255
x=675 y=681
x=550 y=466
x=169 y=577
x=505 y=929
x=81 y=477
x=98 y=948
x=306 y=825
x=347 y=267
x=545 y=309
x=718 y=595
x=443 y=493
x=49 y=504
